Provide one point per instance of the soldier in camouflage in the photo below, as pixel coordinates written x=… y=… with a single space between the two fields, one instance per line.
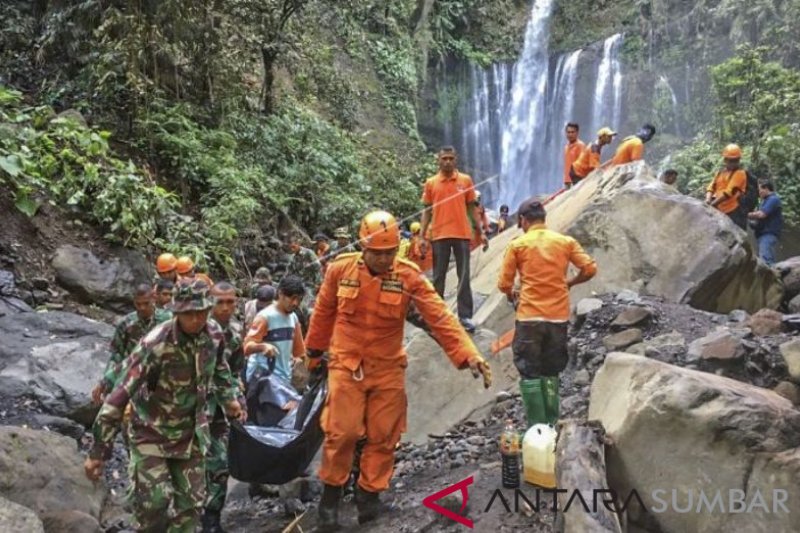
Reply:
x=343 y=243
x=168 y=380
x=224 y=297
x=303 y=263
x=129 y=331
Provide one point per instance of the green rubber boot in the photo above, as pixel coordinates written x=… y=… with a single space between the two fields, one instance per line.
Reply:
x=551 y=399
x=533 y=401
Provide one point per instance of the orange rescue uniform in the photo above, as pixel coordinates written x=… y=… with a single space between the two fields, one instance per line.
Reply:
x=415 y=254
x=588 y=161
x=359 y=318
x=631 y=149
x=542 y=256
x=449 y=197
x=571 y=153
x=730 y=183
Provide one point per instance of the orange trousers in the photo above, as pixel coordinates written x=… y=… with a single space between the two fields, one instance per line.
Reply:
x=375 y=406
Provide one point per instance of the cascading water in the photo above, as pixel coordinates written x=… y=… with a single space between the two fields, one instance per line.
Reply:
x=510 y=124
x=664 y=82
x=525 y=118
x=608 y=87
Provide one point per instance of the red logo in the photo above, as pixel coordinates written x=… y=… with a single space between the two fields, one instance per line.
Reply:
x=462 y=486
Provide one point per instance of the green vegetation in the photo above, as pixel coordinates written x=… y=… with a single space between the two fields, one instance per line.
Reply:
x=757 y=105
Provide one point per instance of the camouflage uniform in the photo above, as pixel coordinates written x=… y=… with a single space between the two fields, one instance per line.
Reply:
x=129 y=331
x=306 y=266
x=167 y=380
x=217 y=456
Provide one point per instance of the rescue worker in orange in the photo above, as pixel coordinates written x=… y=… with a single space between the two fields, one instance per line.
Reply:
x=448 y=197
x=632 y=148
x=572 y=151
x=359 y=319
x=480 y=229
x=728 y=185
x=589 y=158
x=165 y=267
x=541 y=257
x=186 y=270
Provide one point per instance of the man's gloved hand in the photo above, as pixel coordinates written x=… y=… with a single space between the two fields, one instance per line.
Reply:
x=313 y=359
x=478 y=366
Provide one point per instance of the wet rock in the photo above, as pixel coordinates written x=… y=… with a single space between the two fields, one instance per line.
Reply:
x=631 y=316
x=44 y=472
x=587 y=305
x=56 y=357
x=791 y=355
x=18 y=518
x=107 y=283
x=788 y=390
x=766 y=322
x=623 y=339
x=720 y=345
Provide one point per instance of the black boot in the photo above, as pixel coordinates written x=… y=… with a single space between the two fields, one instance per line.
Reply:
x=369 y=505
x=211 y=522
x=328 y=511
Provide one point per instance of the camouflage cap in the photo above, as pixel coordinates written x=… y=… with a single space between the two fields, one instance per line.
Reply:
x=263 y=273
x=341 y=233
x=191 y=295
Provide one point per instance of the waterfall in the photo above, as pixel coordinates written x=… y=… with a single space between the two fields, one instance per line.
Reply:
x=609 y=86
x=664 y=82
x=510 y=132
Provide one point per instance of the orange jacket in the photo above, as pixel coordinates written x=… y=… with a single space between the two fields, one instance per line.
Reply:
x=541 y=257
x=631 y=149
x=571 y=153
x=451 y=200
x=359 y=316
x=732 y=185
x=588 y=161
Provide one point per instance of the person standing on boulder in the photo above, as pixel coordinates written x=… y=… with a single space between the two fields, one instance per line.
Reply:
x=572 y=151
x=167 y=381
x=359 y=319
x=541 y=257
x=728 y=185
x=128 y=332
x=447 y=197
x=589 y=158
x=632 y=148
x=767 y=221
x=224 y=299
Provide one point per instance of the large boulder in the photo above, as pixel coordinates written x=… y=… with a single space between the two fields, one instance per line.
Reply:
x=17 y=518
x=44 y=472
x=107 y=283
x=682 y=436
x=56 y=357
x=790 y=273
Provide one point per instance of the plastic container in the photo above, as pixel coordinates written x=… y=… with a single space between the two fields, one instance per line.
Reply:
x=539 y=456
x=510 y=452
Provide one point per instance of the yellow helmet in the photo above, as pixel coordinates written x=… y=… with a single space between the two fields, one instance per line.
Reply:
x=379 y=231
x=415 y=227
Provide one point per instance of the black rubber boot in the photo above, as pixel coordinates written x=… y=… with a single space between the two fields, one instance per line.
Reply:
x=369 y=505
x=328 y=511
x=211 y=522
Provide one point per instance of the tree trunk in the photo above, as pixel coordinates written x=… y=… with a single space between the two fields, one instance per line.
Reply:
x=269 y=55
x=581 y=466
x=420 y=17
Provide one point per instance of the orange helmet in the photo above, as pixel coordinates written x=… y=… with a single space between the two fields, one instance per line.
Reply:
x=165 y=263
x=732 y=151
x=379 y=231
x=184 y=265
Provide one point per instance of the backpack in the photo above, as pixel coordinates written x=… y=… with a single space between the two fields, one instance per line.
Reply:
x=749 y=197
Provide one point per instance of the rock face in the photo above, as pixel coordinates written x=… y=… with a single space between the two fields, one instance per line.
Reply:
x=108 y=284
x=44 y=472
x=15 y=517
x=675 y=429
x=790 y=272
x=57 y=357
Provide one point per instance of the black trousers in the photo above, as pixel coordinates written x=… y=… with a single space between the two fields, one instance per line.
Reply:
x=540 y=349
x=441 y=261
